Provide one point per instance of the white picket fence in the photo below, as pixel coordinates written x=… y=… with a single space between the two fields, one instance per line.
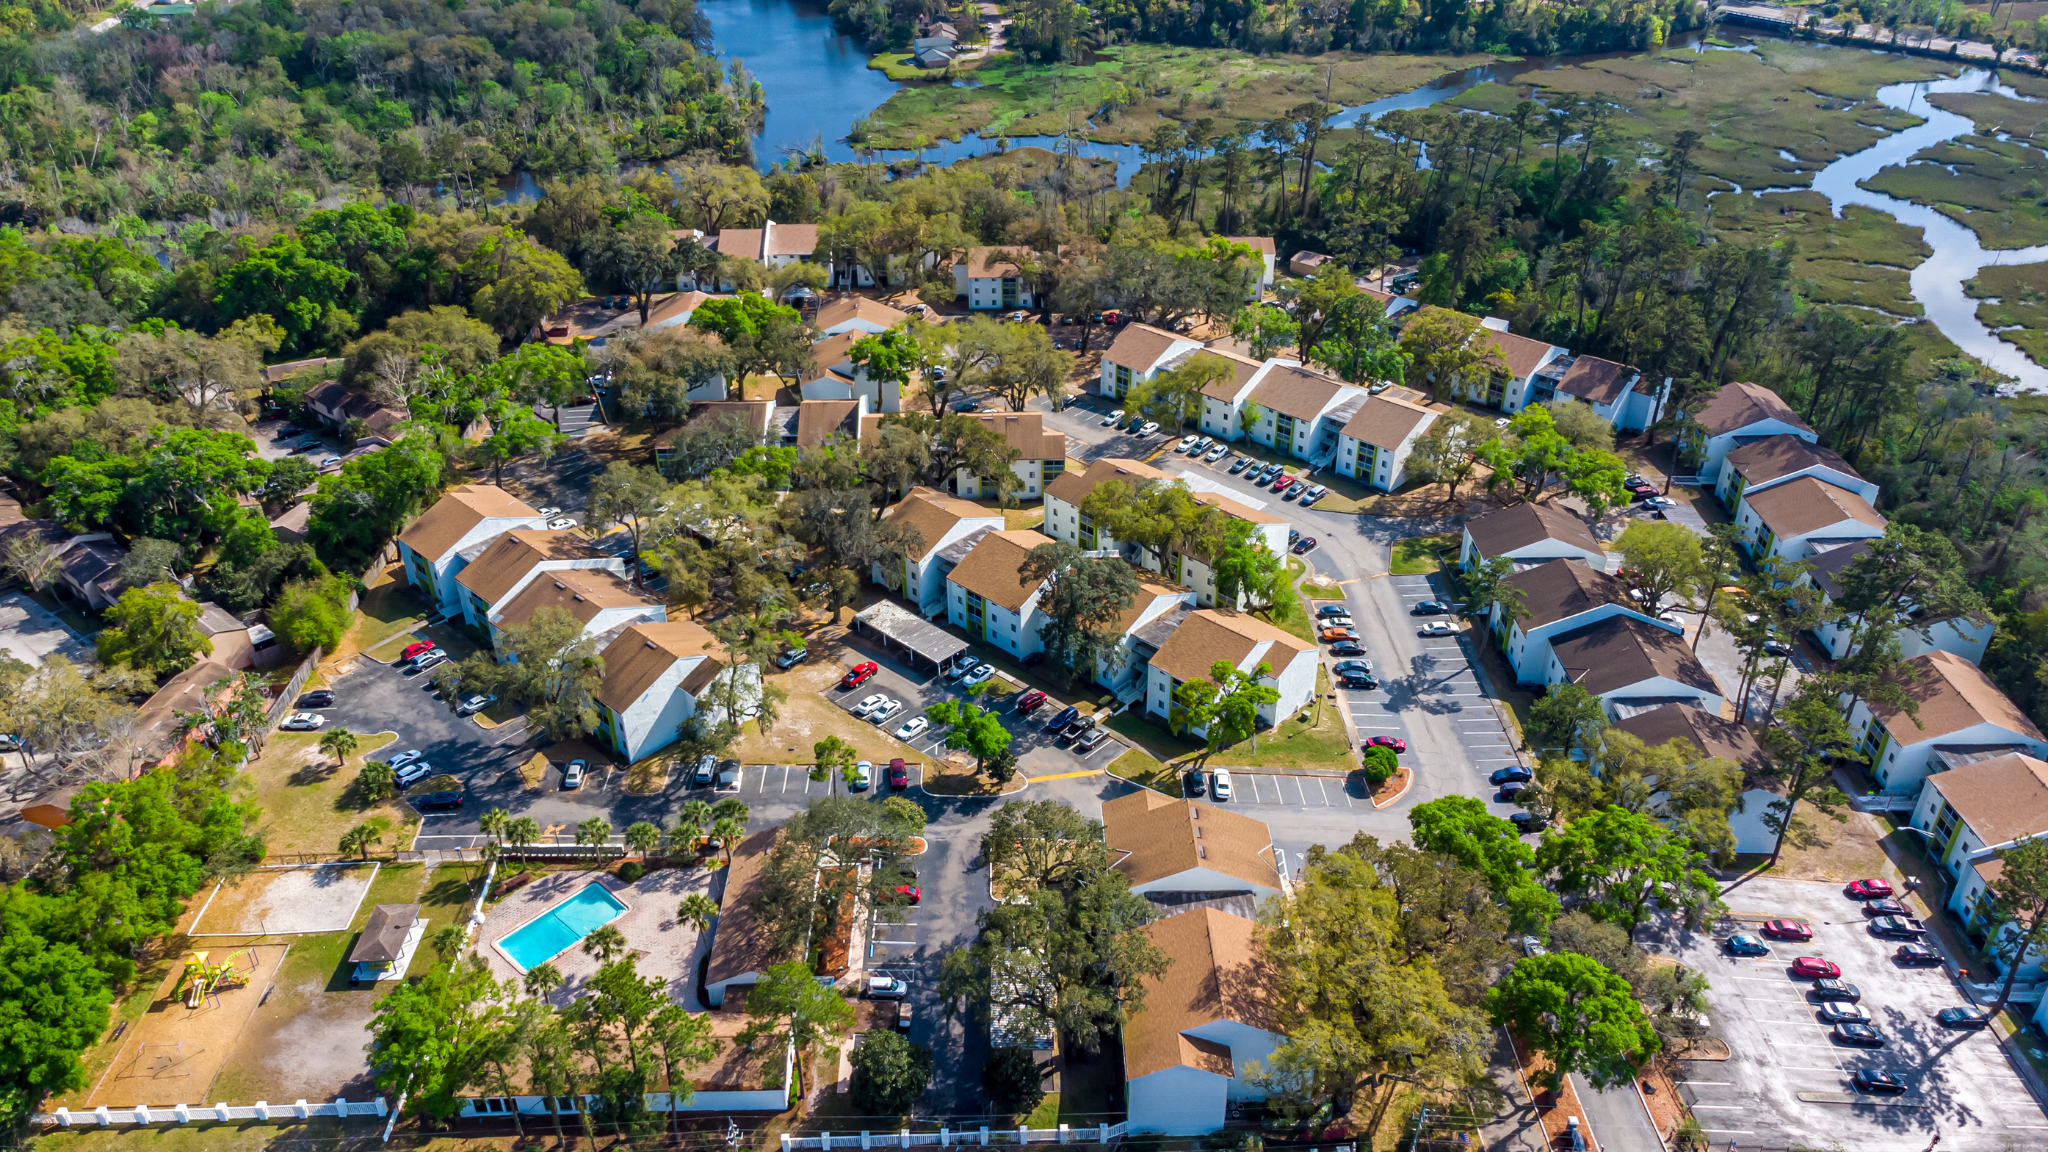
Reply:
x=105 y=1117
x=962 y=1137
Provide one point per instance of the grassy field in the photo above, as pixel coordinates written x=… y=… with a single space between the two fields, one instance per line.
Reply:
x=1989 y=186
x=1018 y=98
x=1861 y=259
x=1141 y=767
x=1416 y=555
x=308 y=801
x=2015 y=294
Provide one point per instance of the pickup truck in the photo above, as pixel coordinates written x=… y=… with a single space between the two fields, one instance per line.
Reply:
x=1898 y=927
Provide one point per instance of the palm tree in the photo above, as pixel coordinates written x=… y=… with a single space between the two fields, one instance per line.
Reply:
x=493 y=823
x=697 y=909
x=605 y=943
x=691 y=821
x=363 y=837
x=730 y=808
x=338 y=743
x=448 y=940
x=642 y=836
x=727 y=834
x=596 y=832
x=522 y=831
x=542 y=979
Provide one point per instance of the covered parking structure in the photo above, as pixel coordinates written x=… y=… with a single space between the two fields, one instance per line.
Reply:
x=924 y=646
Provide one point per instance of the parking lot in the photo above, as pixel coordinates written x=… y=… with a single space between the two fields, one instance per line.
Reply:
x=1787 y=1082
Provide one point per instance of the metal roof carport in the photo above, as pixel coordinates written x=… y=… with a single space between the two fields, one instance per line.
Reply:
x=904 y=634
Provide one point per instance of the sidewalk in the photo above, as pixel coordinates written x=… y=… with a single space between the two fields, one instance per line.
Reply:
x=1520 y=1128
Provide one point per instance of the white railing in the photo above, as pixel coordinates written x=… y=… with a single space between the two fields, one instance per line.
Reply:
x=959 y=1137
x=104 y=1117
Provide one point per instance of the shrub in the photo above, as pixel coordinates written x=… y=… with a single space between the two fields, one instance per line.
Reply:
x=632 y=870
x=1013 y=1080
x=1380 y=765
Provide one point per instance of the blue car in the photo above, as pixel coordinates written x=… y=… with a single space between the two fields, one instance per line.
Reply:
x=1746 y=945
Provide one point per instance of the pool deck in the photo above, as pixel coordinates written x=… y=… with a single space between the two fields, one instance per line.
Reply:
x=666 y=948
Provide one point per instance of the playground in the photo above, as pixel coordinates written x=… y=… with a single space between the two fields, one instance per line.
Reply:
x=286 y=901
x=172 y=1054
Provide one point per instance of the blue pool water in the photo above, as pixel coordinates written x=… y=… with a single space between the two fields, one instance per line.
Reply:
x=539 y=941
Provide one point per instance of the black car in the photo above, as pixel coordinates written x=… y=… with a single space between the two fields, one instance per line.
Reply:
x=1898 y=927
x=1527 y=822
x=438 y=802
x=1969 y=1019
x=1430 y=608
x=1362 y=667
x=1509 y=793
x=317 y=698
x=1327 y=609
x=1358 y=680
x=1347 y=648
x=1885 y=908
x=1871 y=1082
x=1858 y=1035
x=1916 y=956
x=1834 y=989
x=1195 y=785
x=1063 y=719
x=1514 y=775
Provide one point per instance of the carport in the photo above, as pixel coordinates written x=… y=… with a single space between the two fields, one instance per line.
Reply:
x=905 y=635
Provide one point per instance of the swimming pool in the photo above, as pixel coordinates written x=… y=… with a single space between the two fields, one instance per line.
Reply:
x=554 y=931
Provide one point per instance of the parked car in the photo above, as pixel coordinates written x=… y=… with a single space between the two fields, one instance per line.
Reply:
x=1283 y=482
x=909 y=893
x=728 y=775
x=1342 y=666
x=1215 y=454
x=1509 y=793
x=1304 y=546
x=1514 y=775
x=1338 y=632
x=1531 y=946
x=1430 y=608
x=1065 y=717
x=414 y=649
x=899 y=777
x=1858 y=1036
x=1437 y=628
x=1359 y=680
x=1347 y=648
x=1147 y=428
x=1815 y=966
x=1660 y=502
x=980 y=675
x=1334 y=610
x=1831 y=988
x=887 y=988
x=1193 y=784
x=413 y=773
x=1898 y=927
x=1787 y=930
x=1915 y=956
x=476 y=704
x=438 y=802
x=706 y=772
x=318 y=698
x=1088 y=743
x=1869 y=889
x=868 y=704
x=1886 y=907
x=426 y=660
x=404 y=758
x=548 y=511
x=1219 y=784
x=1029 y=701
x=1527 y=822
x=881 y=715
x=859 y=674
x=1835 y=1012
x=863 y=776
x=792 y=658
x=1744 y=944
x=1187 y=442
x=1871 y=1082
x=1112 y=418
x=1239 y=464
x=912 y=728
x=560 y=523
x=572 y=776
x=1397 y=743
x=303 y=722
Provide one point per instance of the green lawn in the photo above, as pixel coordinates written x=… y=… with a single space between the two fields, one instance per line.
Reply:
x=1289 y=614
x=1297 y=744
x=309 y=801
x=1416 y=555
x=385 y=611
x=1141 y=767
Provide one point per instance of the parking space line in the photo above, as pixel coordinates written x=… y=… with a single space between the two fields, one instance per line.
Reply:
x=1707 y=1083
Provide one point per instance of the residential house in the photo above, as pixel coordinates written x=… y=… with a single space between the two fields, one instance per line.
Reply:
x=1269 y=256
x=600 y=600
x=289 y=526
x=654 y=674
x=430 y=549
x=1373 y=446
x=1531 y=534
x=1165 y=845
x=743 y=945
x=1557 y=596
x=860 y=314
x=989 y=598
x=1739 y=413
x=85 y=569
x=771 y=245
x=1617 y=393
x=1304 y=263
x=1712 y=735
x=1065 y=521
x=235 y=644
x=992 y=278
x=1211 y=635
x=593 y=320
x=1208 y=1024
x=1042 y=455
x=675 y=309
x=832 y=375
x=1770 y=461
x=1963 y=717
x=940 y=522
x=1801 y=518
x=1521 y=357
x=1299 y=411
x=749 y=417
x=336 y=404
x=500 y=568
x=1629 y=661
x=1139 y=353
x=819 y=420
x=1394 y=305
x=1223 y=401
x=1972 y=813
x=1966 y=636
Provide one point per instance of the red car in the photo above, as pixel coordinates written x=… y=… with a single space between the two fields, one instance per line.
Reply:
x=1394 y=742
x=1787 y=930
x=911 y=893
x=1870 y=889
x=859 y=674
x=1281 y=484
x=1816 y=967
x=1028 y=701
x=899 y=773
x=412 y=650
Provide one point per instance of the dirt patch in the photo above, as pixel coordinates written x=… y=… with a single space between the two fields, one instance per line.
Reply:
x=174 y=1052
x=1555 y=1107
x=1660 y=1095
x=1704 y=1048
x=1820 y=849
x=287 y=901
x=945 y=778
x=650 y=776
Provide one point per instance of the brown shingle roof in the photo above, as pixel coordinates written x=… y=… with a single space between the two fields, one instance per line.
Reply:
x=1740 y=404
x=736 y=242
x=675 y=304
x=851 y=307
x=753 y=415
x=634 y=661
x=830 y=351
x=1150 y=588
x=453 y=515
x=1558 y=589
x=1242 y=369
x=1524 y=524
x=1773 y=456
x=1211 y=635
x=1596 y=381
x=994 y=570
x=512 y=555
x=383 y=937
x=1152 y=836
x=995 y=263
x=743 y=943
x=1385 y=422
x=2002 y=799
x=818 y=419
x=933 y=514
x=1807 y=505
x=1521 y=354
x=1260 y=243
x=791 y=240
x=1025 y=431
x=1623 y=650
x=1139 y=347
x=1295 y=391
x=1953 y=694
x=1217 y=974
x=1074 y=487
x=582 y=592
x=1715 y=736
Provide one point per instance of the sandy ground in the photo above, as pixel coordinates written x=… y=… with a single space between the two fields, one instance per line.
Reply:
x=172 y=1055
x=286 y=901
x=666 y=948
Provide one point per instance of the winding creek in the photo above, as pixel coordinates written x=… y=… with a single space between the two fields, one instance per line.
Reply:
x=818 y=83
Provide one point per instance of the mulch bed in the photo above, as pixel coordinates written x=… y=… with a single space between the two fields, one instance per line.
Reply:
x=1393 y=787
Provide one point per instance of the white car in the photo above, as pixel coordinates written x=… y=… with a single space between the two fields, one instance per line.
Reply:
x=1215 y=454
x=1148 y=428
x=1112 y=418
x=882 y=714
x=1336 y=620
x=412 y=774
x=1660 y=502
x=561 y=522
x=303 y=722
x=404 y=758
x=1219 y=784
x=869 y=704
x=327 y=462
x=475 y=704
x=1438 y=628
x=426 y=660
x=913 y=728
x=1187 y=442
x=548 y=511
x=863 y=775
x=979 y=675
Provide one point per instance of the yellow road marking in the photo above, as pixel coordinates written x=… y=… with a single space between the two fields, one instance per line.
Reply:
x=1065 y=775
